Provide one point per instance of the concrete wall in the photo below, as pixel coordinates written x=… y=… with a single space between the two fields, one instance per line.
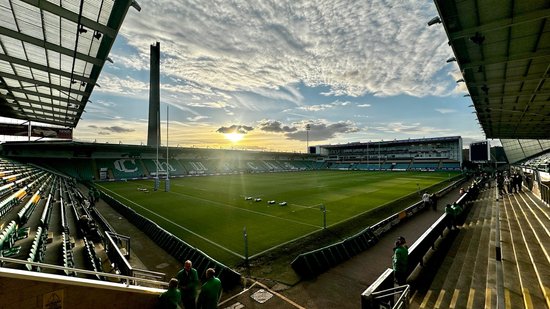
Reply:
x=22 y=289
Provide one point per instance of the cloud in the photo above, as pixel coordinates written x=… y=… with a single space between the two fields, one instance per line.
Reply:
x=318 y=131
x=353 y=48
x=240 y=129
x=445 y=110
x=197 y=118
x=412 y=128
x=320 y=107
x=114 y=129
x=321 y=131
x=274 y=126
x=363 y=105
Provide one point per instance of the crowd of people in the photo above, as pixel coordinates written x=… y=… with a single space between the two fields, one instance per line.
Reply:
x=183 y=290
x=509 y=183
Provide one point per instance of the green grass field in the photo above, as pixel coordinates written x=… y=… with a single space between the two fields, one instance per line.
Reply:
x=211 y=212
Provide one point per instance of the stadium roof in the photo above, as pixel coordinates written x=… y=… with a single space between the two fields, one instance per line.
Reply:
x=503 y=50
x=51 y=54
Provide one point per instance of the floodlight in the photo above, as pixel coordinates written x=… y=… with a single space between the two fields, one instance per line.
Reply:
x=477 y=38
x=435 y=20
x=460 y=80
x=451 y=59
x=136 y=5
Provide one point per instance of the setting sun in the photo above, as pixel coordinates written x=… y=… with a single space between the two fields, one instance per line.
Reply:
x=234 y=137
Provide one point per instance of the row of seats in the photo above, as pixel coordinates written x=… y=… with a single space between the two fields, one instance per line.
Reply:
x=67 y=253
x=92 y=259
x=7 y=235
x=38 y=248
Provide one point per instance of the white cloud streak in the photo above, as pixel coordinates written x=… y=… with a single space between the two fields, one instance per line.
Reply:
x=378 y=47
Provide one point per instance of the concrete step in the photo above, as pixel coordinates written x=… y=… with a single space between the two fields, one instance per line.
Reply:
x=448 y=292
x=463 y=289
x=527 y=272
x=478 y=281
x=535 y=234
x=512 y=289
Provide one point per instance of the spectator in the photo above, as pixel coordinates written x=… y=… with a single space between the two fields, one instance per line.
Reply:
x=452 y=212
x=400 y=261
x=171 y=299
x=426 y=199
x=211 y=291
x=508 y=184
x=188 y=283
x=500 y=185
x=433 y=201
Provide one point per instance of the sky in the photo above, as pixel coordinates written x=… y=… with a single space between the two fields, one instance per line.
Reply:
x=262 y=70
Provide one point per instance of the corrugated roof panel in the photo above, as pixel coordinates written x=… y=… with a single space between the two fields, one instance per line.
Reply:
x=52 y=29
x=6 y=15
x=57 y=61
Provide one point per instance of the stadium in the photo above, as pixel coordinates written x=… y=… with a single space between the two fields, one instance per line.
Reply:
x=91 y=224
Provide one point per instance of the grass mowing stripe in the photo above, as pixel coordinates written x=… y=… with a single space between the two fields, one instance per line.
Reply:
x=243 y=209
x=174 y=223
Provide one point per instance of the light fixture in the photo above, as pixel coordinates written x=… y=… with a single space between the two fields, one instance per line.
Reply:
x=485 y=89
x=460 y=80
x=435 y=20
x=451 y=59
x=81 y=29
x=477 y=38
x=97 y=35
x=136 y=5
x=109 y=59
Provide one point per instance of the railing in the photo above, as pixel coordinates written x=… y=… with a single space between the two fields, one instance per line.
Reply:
x=125 y=280
x=382 y=294
x=119 y=259
x=313 y=263
x=418 y=250
x=545 y=193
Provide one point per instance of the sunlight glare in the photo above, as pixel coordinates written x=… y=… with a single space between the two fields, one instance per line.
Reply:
x=234 y=137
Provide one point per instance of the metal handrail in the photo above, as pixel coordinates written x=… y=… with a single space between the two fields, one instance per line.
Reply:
x=127 y=279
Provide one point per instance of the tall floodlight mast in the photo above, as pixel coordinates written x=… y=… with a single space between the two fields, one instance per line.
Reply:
x=308 y=127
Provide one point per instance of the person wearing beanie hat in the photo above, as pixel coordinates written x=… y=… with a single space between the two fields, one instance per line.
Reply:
x=400 y=262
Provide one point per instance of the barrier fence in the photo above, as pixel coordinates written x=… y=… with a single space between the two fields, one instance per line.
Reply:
x=315 y=262
x=176 y=247
x=419 y=248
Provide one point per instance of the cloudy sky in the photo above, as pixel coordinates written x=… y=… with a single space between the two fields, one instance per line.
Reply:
x=263 y=70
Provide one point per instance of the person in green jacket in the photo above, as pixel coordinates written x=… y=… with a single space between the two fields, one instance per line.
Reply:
x=188 y=283
x=400 y=261
x=171 y=299
x=211 y=291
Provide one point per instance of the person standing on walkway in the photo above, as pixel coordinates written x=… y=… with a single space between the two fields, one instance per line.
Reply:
x=211 y=291
x=433 y=201
x=171 y=299
x=188 y=283
x=400 y=261
x=426 y=199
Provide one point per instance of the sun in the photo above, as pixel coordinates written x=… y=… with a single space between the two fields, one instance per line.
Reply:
x=234 y=137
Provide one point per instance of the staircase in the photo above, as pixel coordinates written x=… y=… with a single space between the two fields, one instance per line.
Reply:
x=469 y=275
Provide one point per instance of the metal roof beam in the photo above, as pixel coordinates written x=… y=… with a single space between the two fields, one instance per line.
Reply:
x=44 y=119
x=42 y=95
x=501 y=24
x=72 y=16
x=45 y=104
x=45 y=68
x=540 y=54
x=47 y=45
x=491 y=82
x=44 y=84
x=512 y=94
